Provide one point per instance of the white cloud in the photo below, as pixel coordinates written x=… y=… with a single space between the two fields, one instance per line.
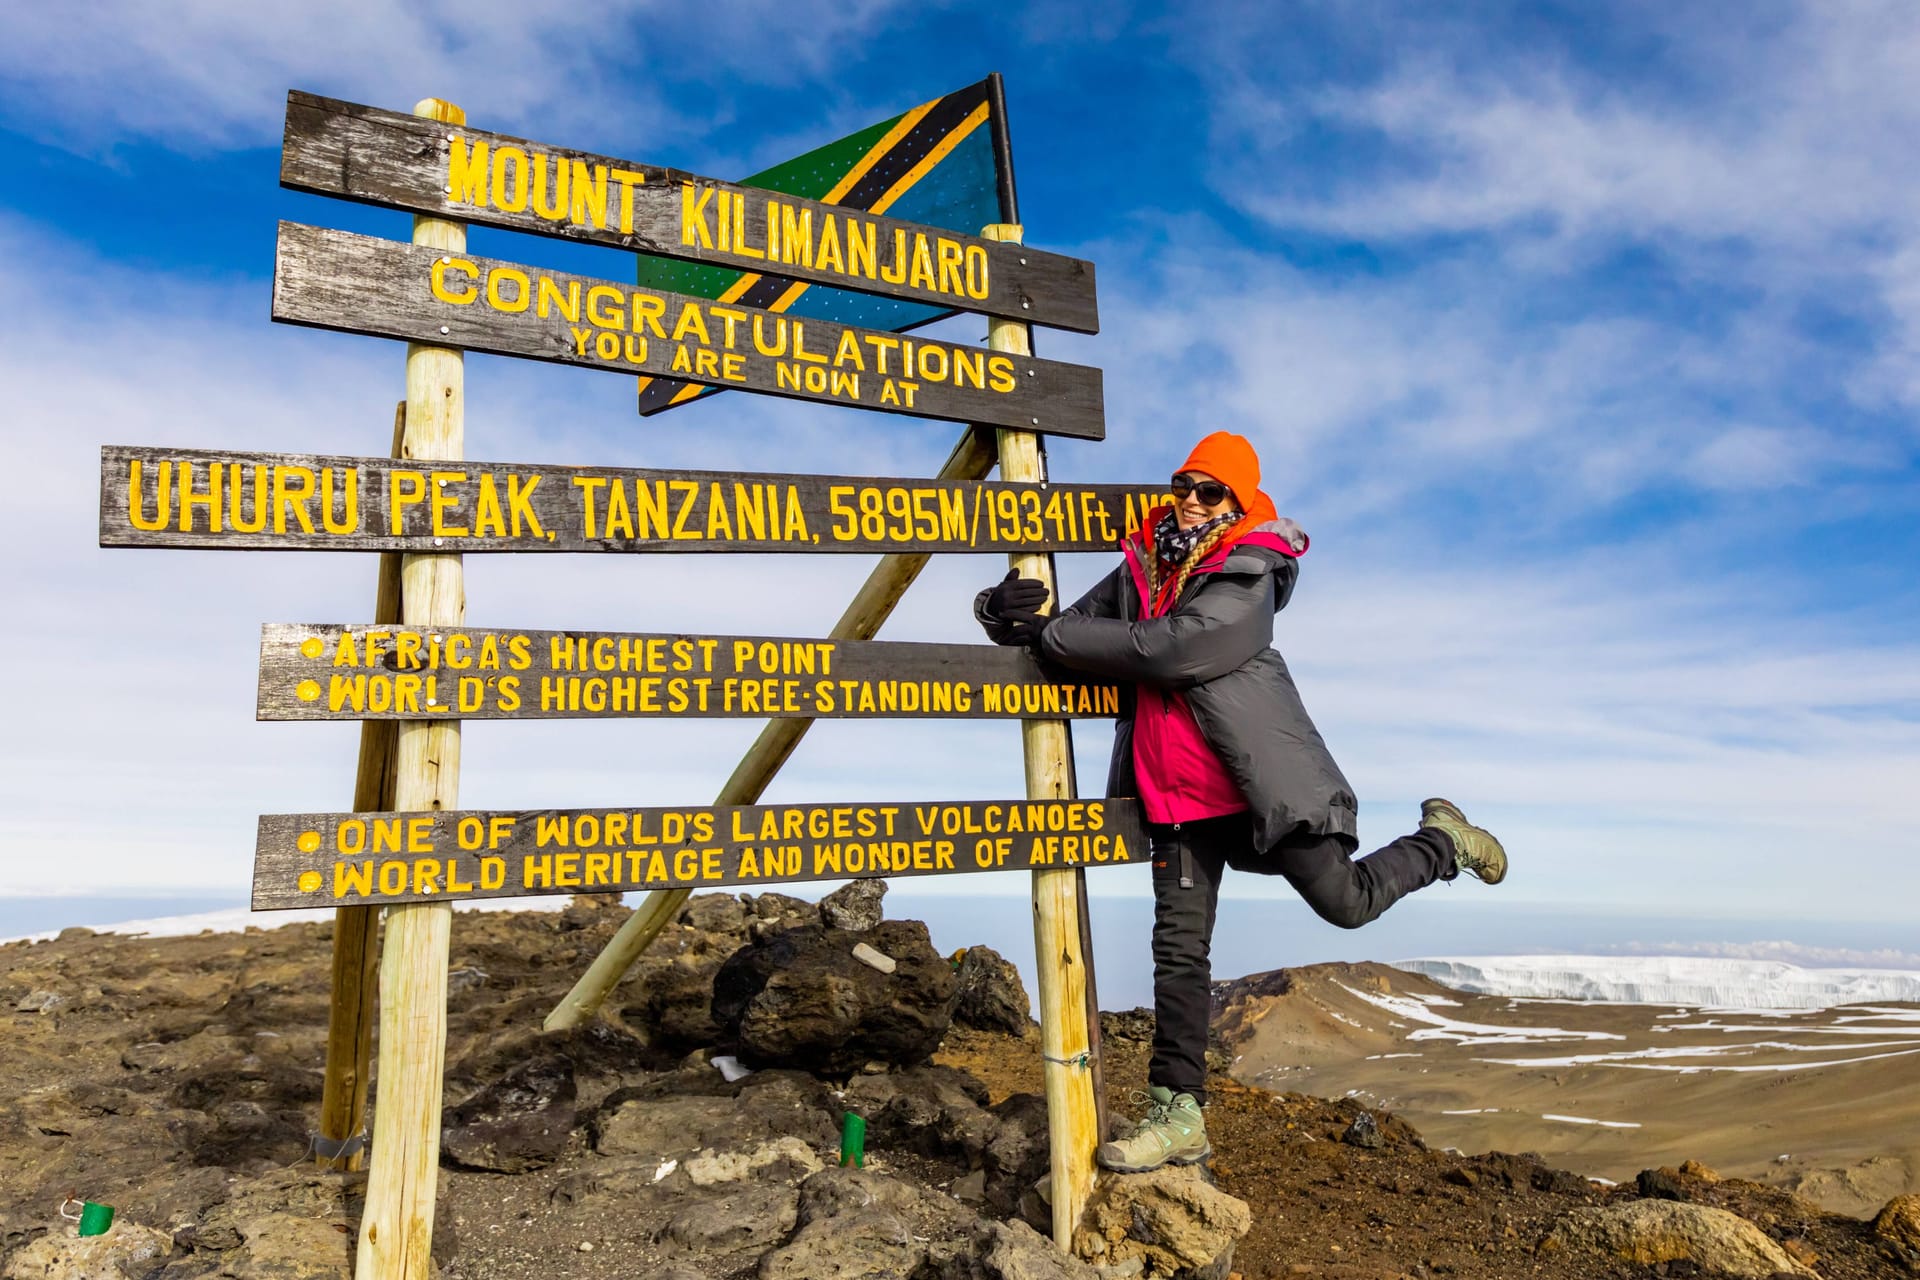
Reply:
x=1758 y=166
x=212 y=73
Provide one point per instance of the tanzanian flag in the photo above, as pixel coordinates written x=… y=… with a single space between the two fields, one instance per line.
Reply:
x=946 y=163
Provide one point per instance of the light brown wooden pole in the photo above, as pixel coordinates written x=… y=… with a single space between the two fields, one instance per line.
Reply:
x=1059 y=949
x=396 y=1230
x=343 y=1097
x=971 y=459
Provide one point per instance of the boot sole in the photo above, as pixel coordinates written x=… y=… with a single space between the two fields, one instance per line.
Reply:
x=1193 y=1158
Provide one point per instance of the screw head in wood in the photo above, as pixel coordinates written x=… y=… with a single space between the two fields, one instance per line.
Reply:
x=444 y=329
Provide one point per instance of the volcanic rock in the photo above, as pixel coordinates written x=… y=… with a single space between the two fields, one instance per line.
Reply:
x=854 y=906
x=520 y=1122
x=799 y=998
x=126 y=1250
x=1898 y=1223
x=741 y=1218
x=767 y=1107
x=1650 y=1232
x=1172 y=1219
x=991 y=997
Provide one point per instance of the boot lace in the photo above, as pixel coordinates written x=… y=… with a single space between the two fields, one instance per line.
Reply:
x=1157 y=1112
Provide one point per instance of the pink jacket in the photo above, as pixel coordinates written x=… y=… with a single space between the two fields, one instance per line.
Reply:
x=1180 y=777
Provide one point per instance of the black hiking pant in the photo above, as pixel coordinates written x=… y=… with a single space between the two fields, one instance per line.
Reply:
x=1189 y=859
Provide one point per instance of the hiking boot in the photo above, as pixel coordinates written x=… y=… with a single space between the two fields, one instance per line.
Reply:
x=1475 y=851
x=1172 y=1132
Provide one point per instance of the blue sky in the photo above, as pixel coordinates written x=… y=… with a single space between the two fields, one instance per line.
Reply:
x=1585 y=340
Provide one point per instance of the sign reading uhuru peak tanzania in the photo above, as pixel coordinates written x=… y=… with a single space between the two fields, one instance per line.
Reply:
x=361 y=284
x=152 y=497
x=390 y=672
x=316 y=859
x=405 y=162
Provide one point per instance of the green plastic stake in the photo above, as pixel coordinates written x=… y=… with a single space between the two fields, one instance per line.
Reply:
x=95 y=1219
x=853 y=1141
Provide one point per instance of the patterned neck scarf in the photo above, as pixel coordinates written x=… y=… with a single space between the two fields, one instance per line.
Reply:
x=1174 y=544
x=1180 y=550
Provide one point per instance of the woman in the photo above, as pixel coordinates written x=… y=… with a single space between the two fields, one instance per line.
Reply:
x=1216 y=744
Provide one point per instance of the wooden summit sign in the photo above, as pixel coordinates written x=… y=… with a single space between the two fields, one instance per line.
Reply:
x=401 y=161
x=347 y=859
x=384 y=672
x=361 y=284
x=152 y=497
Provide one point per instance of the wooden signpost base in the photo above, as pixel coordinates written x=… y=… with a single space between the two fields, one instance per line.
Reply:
x=343 y=1098
x=1059 y=950
x=396 y=1230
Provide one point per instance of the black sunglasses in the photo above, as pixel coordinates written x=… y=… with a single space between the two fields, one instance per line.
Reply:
x=1210 y=492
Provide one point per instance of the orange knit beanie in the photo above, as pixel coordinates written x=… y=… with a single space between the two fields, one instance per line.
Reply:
x=1230 y=459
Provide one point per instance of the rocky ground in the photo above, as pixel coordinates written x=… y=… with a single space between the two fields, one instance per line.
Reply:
x=178 y=1079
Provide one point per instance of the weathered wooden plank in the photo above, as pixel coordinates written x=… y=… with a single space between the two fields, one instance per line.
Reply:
x=204 y=498
x=399 y=161
x=366 y=671
x=338 y=859
x=362 y=284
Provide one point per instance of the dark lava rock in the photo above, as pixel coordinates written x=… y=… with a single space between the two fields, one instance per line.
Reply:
x=1364 y=1132
x=644 y=1122
x=991 y=997
x=715 y=913
x=854 y=906
x=799 y=998
x=738 y=1218
x=771 y=913
x=519 y=1122
x=1660 y=1184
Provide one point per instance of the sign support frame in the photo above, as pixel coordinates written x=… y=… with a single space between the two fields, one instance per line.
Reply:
x=875 y=601
x=1060 y=950
x=356 y=930
x=396 y=1227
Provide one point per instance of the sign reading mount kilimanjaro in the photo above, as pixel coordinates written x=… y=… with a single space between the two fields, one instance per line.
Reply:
x=469 y=175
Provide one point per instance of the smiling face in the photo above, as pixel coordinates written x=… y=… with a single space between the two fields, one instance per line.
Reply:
x=1193 y=509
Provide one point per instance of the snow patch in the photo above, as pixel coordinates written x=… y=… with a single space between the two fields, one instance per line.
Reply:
x=1761 y=988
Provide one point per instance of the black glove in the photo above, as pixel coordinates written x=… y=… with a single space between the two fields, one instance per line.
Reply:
x=1012 y=610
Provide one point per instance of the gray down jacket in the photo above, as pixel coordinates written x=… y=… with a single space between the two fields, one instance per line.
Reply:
x=1214 y=647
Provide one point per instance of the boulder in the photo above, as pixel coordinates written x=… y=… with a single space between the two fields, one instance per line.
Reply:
x=771 y=913
x=520 y=1122
x=127 y=1250
x=932 y=1110
x=991 y=997
x=1650 y=1232
x=799 y=998
x=1015 y=1251
x=1364 y=1132
x=676 y=1004
x=786 y=1159
x=854 y=1225
x=1898 y=1224
x=740 y=1218
x=714 y=913
x=286 y=1246
x=1173 y=1220
x=766 y=1108
x=854 y=906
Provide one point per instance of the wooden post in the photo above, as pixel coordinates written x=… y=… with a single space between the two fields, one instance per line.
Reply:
x=1059 y=949
x=970 y=460
x=343 y=1098
x=396 y=1230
